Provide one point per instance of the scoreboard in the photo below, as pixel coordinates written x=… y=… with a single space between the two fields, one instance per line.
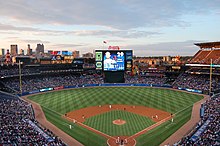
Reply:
x=113 y=60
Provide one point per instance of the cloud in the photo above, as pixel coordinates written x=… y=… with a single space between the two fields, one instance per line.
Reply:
x=56 y=22
x=112 y=33
x=7 y=33
x=120 y=14
x=11 y=38
x=185 y=48
x=61 y=46
x=116 y=33
x=22 y=43
x=35 y=41
x=29 y=41
x=115 y=41
x=6 y=27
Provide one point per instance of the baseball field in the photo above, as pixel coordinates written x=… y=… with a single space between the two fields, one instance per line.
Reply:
x=117 y=111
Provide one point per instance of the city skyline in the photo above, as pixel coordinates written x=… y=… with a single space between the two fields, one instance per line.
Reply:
x=150 y=28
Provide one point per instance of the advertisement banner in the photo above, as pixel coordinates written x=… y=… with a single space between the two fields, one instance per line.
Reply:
x=58 y=88
x=46 y=89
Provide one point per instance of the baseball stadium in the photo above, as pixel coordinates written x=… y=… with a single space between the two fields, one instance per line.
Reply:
x=113 y=99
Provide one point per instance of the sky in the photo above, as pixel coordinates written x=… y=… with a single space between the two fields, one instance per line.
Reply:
x=148 y=27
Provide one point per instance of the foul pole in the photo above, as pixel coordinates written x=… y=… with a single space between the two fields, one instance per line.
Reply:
x=20 y=77
x=210 y=79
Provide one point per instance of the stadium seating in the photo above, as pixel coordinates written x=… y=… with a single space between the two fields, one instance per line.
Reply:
x=23 y=131
x=35 y=83
x=200 y=56
x=18 y=126
x=198 y=82
x=31 y=84
x=214 y=55
x=207 y=131
x=205 y=56
x=13 y=70
x=146 y=80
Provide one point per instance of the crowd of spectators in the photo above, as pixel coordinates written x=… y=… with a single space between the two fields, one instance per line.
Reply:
x=13 y=70
x=16 y=130
x=198 y=82
x=186 y=80
x=35 y=83
x=145 y=80
x=190 y=81
x=211 y=134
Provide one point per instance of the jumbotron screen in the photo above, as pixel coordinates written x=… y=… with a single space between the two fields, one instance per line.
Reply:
x=113 y=61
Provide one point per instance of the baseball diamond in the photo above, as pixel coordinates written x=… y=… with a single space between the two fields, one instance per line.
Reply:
x=147 y=113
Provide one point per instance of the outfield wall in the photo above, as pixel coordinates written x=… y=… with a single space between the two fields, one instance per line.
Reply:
x=107 y=85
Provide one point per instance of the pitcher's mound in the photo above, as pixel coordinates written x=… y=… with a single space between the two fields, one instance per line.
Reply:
x=119 y=122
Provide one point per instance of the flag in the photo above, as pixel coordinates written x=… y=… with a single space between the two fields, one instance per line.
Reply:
x=105 y=42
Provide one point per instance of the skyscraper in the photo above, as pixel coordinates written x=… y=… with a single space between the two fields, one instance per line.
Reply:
x=14 y=50
x=29 y=50
x=39 y=49
x=7 y=57
x=21 y=52
x=2 y=52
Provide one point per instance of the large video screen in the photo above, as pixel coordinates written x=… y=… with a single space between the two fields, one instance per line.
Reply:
x=113 y=61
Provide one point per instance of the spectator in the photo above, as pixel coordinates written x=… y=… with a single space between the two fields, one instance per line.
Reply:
x=211 y=134
x=14 y=128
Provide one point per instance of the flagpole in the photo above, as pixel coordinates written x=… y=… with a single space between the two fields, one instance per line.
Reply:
x=104 y=43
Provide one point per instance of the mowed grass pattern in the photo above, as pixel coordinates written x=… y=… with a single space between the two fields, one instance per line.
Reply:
x=67 y=100
x=134 y=123
x=172 y=101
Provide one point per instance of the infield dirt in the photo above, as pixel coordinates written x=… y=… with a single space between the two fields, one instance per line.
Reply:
x=81 y=114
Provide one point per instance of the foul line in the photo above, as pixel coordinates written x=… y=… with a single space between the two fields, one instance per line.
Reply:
x=150 y=127
x=90 y=128
x=184 y=108
x=51 y=110
x=157 y=124
x=81 y=124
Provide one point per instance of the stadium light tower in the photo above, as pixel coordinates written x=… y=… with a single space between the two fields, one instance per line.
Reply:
x=20 y=77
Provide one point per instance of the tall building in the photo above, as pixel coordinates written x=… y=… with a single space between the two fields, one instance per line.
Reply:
x=2 y=52
x=14 y=50
x=76 y=54
x=7 y=57
x=29 y=50
x=21 y=52
x=39 y=49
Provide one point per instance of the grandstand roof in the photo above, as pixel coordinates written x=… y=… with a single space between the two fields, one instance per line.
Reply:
x=208 y=45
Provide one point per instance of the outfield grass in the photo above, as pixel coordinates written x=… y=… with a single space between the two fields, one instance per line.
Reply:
x=157 y=135
x=134 y=123
x=64 y=101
